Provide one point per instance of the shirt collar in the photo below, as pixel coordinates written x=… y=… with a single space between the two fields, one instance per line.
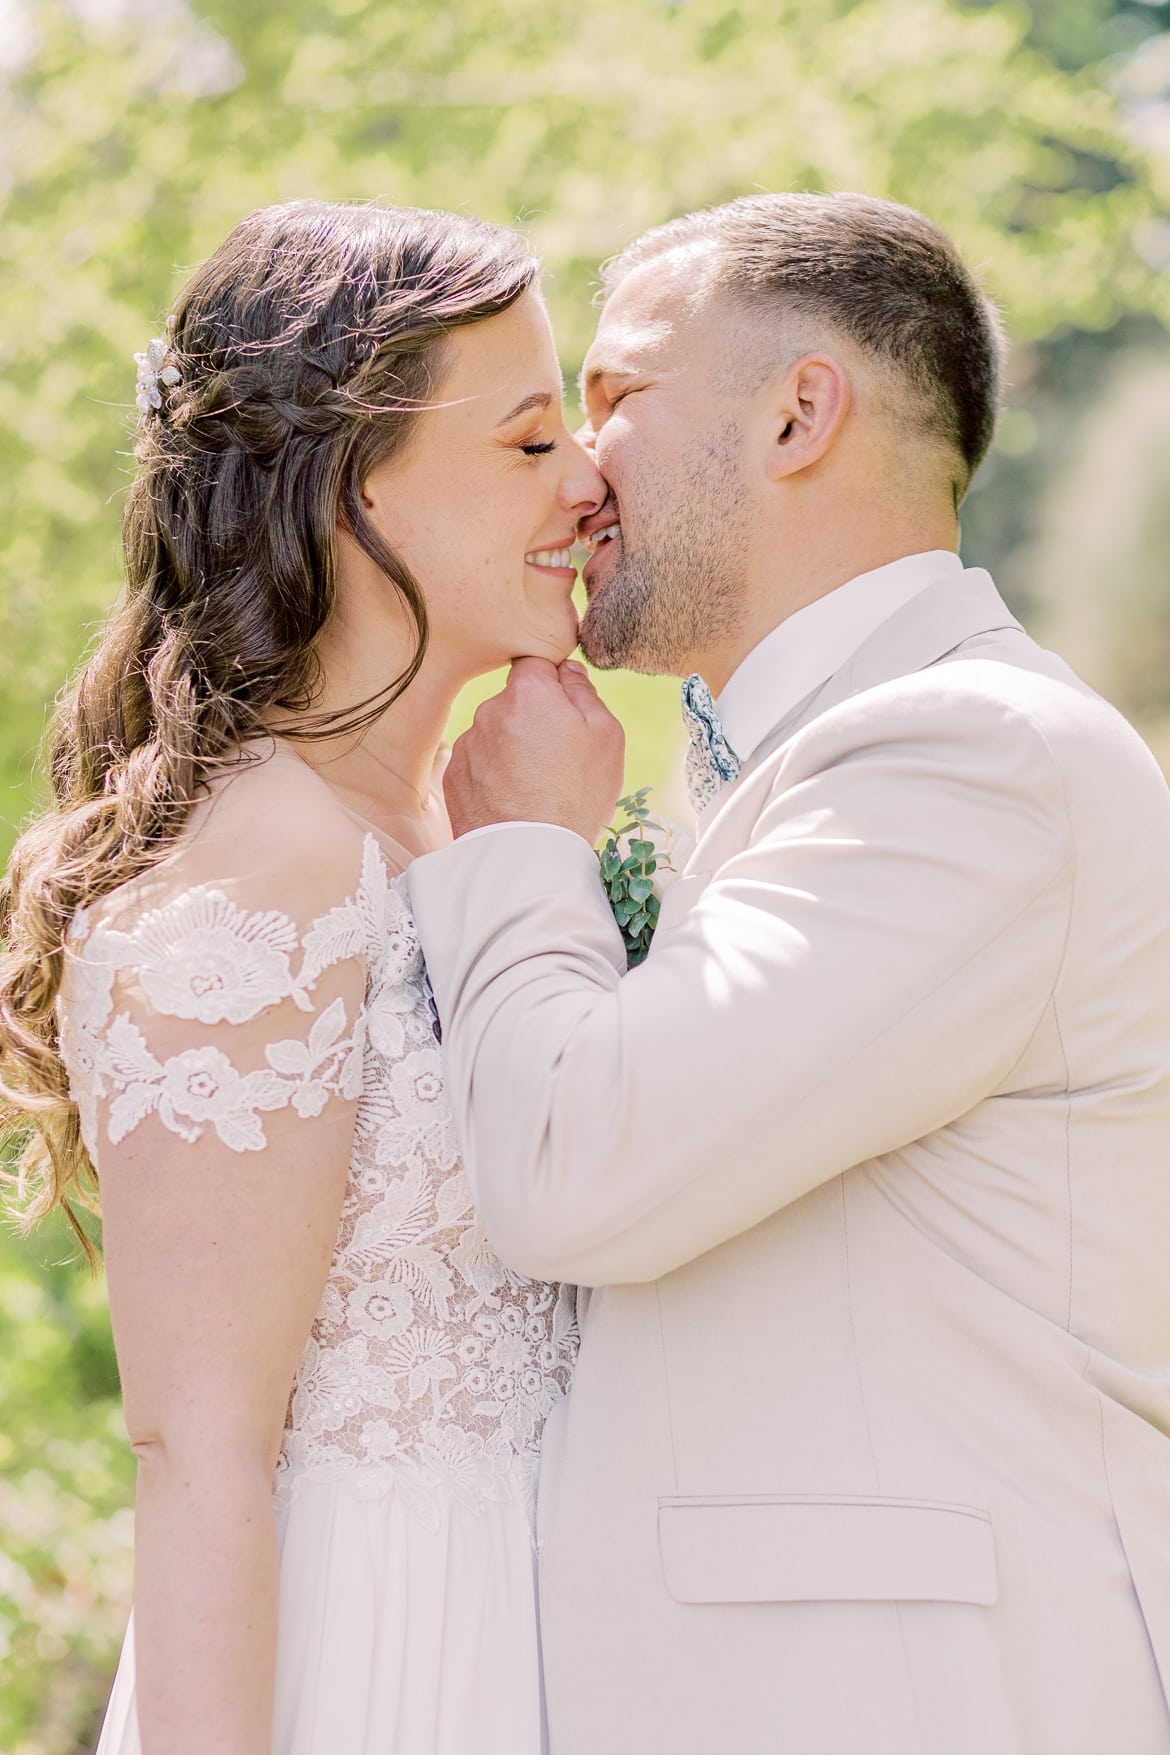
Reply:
x=811 y=645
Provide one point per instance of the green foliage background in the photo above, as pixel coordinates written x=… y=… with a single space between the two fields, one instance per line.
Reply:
x=134 y=133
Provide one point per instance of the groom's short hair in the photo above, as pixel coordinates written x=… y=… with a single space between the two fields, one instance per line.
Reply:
x=880 y=274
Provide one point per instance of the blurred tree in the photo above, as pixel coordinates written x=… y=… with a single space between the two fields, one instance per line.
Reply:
x=66 y=1479
x=1063 y=418
x=134 y=133
x=1102 y=583
x=1079 y=33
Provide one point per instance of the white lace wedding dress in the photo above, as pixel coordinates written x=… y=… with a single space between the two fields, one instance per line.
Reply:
x=405 y=1486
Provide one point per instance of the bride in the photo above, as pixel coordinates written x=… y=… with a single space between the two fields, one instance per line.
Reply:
x=355 y=491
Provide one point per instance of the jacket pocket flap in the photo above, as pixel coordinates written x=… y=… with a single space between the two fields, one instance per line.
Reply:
x=791 y=1550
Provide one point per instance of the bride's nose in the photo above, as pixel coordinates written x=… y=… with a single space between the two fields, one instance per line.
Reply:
x=583 y=487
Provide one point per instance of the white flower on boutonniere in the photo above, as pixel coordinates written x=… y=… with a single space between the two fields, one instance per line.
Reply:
x=672 y=846
x=639 y=859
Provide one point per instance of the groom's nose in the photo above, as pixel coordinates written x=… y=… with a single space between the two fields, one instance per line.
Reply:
x=586 y=436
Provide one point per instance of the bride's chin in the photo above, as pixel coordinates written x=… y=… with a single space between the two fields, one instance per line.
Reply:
x=556 y=644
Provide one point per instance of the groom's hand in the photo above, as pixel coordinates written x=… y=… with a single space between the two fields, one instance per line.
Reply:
x=546 y=750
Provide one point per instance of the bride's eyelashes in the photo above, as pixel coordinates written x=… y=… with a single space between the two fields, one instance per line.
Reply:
x=539 y=450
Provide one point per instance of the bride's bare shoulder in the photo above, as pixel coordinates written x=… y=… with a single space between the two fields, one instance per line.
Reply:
x=271 y=786
x=270 y=833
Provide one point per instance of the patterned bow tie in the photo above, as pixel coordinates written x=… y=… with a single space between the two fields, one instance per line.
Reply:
x=711 y=761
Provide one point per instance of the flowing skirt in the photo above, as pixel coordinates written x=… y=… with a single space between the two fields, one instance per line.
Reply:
x=397 y=1635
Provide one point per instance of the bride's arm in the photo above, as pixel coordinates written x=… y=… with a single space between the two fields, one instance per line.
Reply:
x=217 y=1250
x=216 y=1266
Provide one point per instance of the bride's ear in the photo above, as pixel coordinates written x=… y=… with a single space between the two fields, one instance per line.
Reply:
x=376 y=499
x=807 y=410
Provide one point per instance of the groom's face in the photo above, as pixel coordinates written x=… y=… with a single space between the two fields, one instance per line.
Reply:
x=667 y=583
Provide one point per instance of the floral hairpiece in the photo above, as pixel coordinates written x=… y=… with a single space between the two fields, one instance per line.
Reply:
x=156 y=367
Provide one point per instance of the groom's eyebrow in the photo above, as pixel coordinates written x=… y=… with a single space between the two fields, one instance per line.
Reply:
x=537 y=399
x=589 y=380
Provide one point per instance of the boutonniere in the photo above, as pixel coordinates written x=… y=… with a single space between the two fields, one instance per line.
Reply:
x=638 y=858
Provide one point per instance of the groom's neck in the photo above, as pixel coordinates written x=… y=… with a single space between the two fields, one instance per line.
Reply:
x=795 y=566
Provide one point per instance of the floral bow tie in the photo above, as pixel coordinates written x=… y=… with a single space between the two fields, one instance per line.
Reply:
x=711 y=761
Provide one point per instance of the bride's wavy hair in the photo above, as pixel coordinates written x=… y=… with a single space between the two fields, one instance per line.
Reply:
x=304 y=349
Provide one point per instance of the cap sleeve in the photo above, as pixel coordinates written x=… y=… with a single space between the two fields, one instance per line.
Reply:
x=214 y=1004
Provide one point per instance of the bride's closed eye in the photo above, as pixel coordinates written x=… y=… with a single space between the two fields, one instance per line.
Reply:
x=539 y=450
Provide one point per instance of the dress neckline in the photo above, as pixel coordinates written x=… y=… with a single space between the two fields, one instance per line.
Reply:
x=281 y=746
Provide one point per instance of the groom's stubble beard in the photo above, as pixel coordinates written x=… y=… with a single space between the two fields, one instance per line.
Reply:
x=679 y=583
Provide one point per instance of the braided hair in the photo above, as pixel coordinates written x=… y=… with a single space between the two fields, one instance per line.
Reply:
x=298 y=358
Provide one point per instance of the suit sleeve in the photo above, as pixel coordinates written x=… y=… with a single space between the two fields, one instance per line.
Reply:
x=869 y=966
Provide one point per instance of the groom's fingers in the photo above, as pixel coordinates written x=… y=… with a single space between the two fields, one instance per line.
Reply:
x=531 y=676
x=530 y=692
x=536 y=684
x=604 y=732
x=575 y=681
x=545 y=750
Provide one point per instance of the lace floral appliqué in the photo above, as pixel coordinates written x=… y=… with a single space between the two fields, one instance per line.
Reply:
x=431 y=1367
x=205 y=959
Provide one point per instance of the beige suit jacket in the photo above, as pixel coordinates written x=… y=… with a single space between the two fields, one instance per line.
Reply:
x=868 y=1449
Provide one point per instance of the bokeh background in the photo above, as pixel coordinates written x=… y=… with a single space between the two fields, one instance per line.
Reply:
x=134 y=133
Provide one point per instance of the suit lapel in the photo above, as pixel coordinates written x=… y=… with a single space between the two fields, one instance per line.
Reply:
x=923 y=631
x=928 y=628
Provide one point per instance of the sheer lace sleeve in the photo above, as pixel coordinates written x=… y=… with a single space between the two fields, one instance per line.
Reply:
x=212 y=1004
x=265 y=994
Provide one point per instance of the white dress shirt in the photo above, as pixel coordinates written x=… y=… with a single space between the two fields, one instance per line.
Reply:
x=812 y=645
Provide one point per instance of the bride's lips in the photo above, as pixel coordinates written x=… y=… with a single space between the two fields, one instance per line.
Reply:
x=601 y=531
x=589 y=527
x=555 y=558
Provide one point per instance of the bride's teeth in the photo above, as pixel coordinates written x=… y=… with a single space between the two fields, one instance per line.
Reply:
x=550 y=557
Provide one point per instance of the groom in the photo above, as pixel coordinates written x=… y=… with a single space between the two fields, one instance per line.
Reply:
x=868 y=1165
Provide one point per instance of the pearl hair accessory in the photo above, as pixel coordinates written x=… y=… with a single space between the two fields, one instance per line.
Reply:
x=156 y=367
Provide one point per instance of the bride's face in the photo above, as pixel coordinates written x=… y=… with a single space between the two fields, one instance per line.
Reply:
x=483 y=502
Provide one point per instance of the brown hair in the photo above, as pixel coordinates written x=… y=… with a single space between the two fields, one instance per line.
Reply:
x=881 y=274
x=304 y=349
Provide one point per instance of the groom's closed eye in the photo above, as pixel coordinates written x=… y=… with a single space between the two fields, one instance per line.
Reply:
x=603 y=390
x=599 y=383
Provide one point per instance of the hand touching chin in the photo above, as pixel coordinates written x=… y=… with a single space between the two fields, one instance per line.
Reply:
x=545 y=750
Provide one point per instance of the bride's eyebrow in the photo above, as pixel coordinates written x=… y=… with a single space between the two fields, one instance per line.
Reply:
x=537 y=399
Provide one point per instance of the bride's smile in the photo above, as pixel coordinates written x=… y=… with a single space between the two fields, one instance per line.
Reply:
x=483 y=503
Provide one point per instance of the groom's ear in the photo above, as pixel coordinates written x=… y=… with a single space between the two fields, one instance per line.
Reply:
x=807 y=408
